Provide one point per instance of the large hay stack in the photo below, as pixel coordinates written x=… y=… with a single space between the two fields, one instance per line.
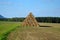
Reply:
x=30 y=21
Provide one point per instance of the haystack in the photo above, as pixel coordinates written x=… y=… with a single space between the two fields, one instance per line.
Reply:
x=30 y=21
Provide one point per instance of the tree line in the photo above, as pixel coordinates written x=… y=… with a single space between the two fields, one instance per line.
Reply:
x=39 y=19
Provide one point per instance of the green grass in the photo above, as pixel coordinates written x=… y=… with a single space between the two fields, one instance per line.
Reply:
x=6 y=27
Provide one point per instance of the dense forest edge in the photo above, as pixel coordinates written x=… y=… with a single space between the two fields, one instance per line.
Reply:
x=39 y=19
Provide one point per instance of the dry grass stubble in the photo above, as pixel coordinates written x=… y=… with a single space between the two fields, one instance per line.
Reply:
x=33 y=33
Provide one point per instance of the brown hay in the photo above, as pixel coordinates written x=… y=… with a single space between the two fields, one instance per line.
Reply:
x=30 y=21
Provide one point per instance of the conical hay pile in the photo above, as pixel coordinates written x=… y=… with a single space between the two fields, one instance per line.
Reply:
x=30 y=21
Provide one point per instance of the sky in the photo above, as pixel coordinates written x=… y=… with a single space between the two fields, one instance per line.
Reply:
x=21 y=8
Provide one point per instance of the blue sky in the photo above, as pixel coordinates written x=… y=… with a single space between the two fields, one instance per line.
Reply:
x=21 y=8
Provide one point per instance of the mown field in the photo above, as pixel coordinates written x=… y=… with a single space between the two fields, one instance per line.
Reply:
x=46 y=31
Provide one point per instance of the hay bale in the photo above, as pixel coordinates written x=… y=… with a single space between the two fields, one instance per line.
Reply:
x=30 y=21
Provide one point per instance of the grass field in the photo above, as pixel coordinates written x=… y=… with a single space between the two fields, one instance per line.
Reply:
x=6 y=27
x=47 y=31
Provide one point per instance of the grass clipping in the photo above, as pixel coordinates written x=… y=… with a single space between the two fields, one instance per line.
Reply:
x=34 y=33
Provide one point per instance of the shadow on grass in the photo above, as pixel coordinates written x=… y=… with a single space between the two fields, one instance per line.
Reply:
x=44 y=26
